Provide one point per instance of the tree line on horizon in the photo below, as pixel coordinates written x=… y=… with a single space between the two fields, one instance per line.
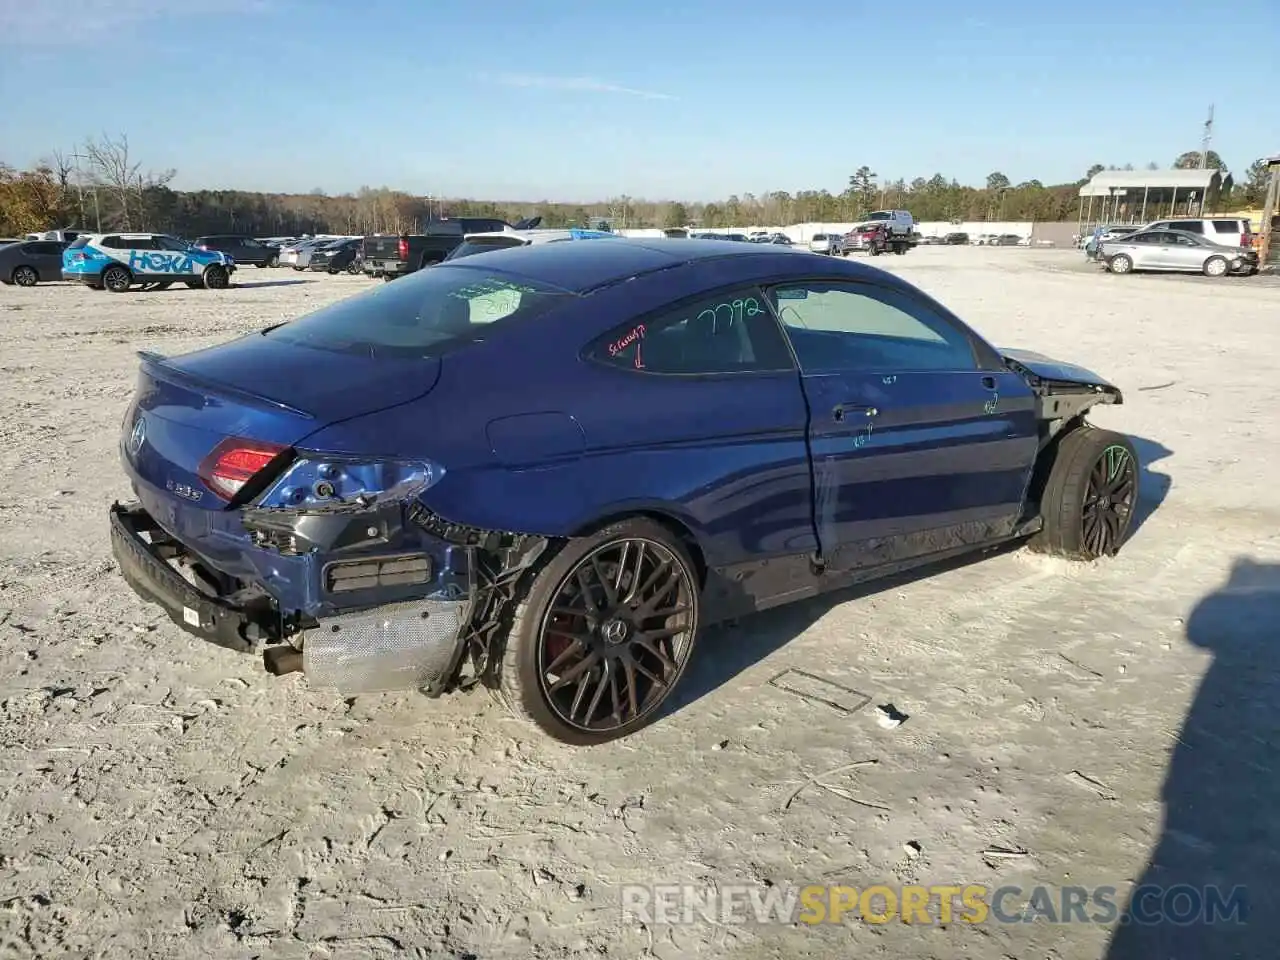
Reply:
x=103 y=184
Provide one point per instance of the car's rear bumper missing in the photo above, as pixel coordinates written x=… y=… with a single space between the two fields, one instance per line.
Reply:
x=151 y=576
x=414 y=643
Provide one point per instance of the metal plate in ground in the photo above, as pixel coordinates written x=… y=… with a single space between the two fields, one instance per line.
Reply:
x=815 y=689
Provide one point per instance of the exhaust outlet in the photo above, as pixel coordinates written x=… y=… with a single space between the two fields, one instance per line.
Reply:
x=401 y=646
x=281 y=660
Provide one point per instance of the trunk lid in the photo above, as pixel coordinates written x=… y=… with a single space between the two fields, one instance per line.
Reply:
x=254 y=388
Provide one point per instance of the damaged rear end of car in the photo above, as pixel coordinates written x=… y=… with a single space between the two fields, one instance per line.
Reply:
x=251 y=531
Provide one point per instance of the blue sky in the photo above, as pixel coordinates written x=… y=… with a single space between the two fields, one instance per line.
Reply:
x=584 y=99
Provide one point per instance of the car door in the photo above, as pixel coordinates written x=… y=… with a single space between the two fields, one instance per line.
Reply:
x=1185 y=254
x=1155 y=250
x=921 y=439
x=46 y=257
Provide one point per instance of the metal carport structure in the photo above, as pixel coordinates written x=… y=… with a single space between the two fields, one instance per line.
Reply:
x=1140 y=196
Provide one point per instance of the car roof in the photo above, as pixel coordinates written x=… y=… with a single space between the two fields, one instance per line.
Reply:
x=582 y=267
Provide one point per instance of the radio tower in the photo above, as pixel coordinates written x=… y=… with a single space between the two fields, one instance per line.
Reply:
x=1206 y=140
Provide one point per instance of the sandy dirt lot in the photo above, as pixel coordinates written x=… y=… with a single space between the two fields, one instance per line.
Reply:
x=1105 y=724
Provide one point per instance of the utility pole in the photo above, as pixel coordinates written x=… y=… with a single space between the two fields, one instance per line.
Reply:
x=1206 y=140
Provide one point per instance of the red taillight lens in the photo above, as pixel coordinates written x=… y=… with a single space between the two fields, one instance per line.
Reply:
x=234 y=462
x=404 y=249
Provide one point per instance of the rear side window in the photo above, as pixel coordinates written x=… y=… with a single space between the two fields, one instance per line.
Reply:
x=429 y=313
x=1191 y=226
x=115 y=243
x=1228 y=226
x=728 y=332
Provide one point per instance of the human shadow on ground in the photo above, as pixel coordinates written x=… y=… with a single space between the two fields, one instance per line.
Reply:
x=727 y=650
x=1209 y=889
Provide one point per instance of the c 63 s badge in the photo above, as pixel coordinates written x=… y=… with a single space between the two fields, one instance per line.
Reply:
x=184 y=491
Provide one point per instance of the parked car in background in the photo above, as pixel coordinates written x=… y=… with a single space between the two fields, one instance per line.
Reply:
x=336 y=256
x=957 y=239
x=1176 y=251
x=62 y=236
x=5 y=241
x=1229 y=231
x=290 y=251
x=546 y=469
x=1092 y=244
x=1007 y=240
x=831 y=244
x=396 y=255
x=474 y=243
x=28 y=262
x=242 y=249
x=118 y=261
x=781 y=239
x=302 y=260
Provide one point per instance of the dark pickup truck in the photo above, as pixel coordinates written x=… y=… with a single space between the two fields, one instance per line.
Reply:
x=389 y=256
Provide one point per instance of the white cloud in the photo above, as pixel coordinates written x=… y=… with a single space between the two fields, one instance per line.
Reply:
x=45 y=23
x=582 y=84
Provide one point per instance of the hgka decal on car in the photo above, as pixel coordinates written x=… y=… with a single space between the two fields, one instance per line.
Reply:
x=159 y=262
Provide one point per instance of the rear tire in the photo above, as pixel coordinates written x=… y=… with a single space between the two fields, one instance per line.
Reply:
x=25 y=276
x=215 y=277
x=1216 y=267
x=117 y=279
x=615 y=648
x=1120 y=263
x=1090 y=495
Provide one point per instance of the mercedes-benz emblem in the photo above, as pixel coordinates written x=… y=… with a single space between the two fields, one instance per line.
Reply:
x=615 y=631
x=138 y=436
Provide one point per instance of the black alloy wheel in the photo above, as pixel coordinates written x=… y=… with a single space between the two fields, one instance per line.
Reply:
x=605 y=633
x=1109 y=501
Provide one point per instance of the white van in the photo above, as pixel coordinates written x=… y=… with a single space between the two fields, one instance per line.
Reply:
x=1229 y=231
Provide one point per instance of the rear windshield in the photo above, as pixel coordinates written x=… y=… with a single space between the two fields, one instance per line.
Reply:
x=78 y=242
x=483 y=244
x=429 y=313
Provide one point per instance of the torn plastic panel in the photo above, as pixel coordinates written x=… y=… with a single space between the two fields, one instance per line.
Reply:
x=1060 y=403
x=396 y=593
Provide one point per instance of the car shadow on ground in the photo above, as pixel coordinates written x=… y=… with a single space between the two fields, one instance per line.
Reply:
x=1153 y=486
x=726 y=650
x=1209 y=890
x=243 y=285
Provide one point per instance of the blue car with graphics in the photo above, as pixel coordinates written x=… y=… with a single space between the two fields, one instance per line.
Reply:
x=120 y=261
x=547 y=468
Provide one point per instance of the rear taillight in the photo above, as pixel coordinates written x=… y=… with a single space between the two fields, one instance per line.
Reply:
x=236 y=461
x=403 y=249
x=1246 y=240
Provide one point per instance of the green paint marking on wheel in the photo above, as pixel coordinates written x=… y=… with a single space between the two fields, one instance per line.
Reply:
x=1117 y=458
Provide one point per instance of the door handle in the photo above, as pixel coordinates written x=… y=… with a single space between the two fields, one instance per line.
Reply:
x=989 y=382
x=843 y=410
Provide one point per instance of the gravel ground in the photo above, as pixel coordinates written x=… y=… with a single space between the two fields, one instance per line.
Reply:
x=1107 y=724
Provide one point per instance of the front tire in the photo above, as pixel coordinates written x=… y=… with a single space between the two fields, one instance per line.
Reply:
x=117 y=279
x=1216 y=267
x=1090 y=495
x=25 y=276
x=215 y=277
x=603 y=634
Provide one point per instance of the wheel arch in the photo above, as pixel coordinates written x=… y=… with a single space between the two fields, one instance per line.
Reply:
x=674 y=524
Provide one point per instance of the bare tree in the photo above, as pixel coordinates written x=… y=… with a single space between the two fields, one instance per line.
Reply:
x=113 y=167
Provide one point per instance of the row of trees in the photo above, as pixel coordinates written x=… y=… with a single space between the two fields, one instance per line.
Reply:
x=102 y=184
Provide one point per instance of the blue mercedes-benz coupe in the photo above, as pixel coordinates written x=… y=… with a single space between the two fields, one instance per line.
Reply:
x=547 y=468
